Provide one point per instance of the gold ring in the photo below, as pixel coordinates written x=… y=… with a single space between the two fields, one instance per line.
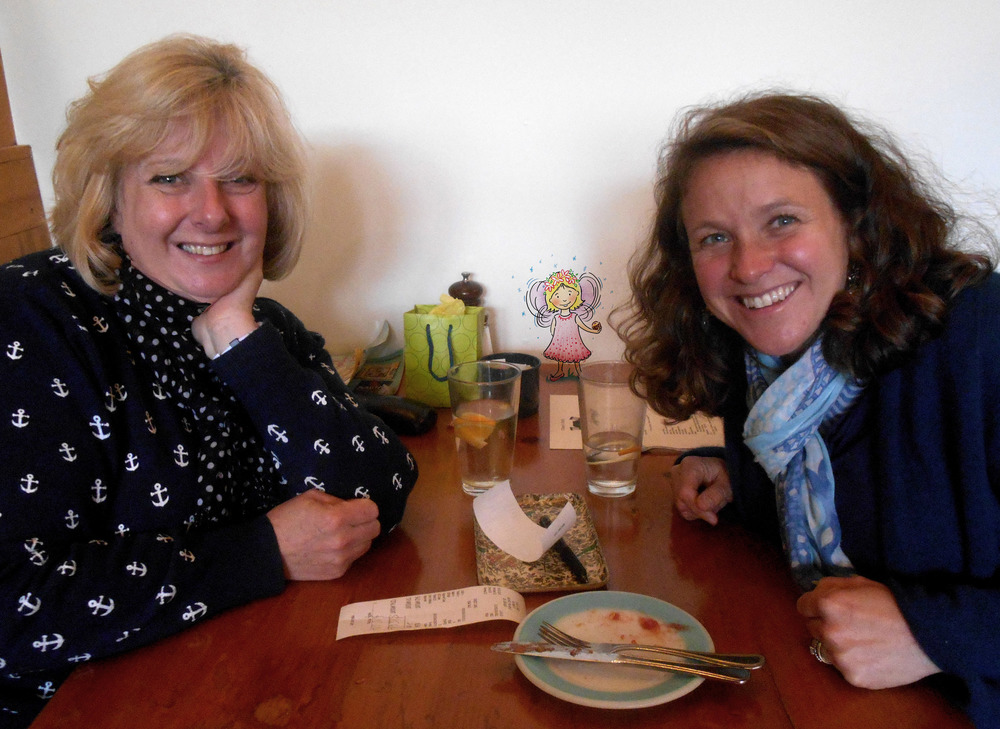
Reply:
x=816 y=648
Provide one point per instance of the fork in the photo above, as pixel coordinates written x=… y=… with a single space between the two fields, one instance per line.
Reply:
x=549 y=632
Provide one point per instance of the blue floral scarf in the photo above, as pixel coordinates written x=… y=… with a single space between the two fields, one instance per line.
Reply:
x=783 y=432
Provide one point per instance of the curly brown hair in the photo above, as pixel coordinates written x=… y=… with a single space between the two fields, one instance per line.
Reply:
x=904 y=259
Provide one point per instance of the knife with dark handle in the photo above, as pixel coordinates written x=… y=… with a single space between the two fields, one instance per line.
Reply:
x=561 y=652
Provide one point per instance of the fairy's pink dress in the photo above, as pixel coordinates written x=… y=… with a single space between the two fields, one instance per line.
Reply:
x=566 y=345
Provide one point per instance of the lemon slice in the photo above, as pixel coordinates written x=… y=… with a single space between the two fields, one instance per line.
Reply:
x=474 y=429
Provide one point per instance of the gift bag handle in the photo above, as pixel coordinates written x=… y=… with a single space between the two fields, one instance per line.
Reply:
x=430 y=356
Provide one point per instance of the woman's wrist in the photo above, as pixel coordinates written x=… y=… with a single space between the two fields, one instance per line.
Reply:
x=224 y=348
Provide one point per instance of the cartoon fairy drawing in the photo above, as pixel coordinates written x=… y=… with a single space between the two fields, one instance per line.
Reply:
x=564 y=303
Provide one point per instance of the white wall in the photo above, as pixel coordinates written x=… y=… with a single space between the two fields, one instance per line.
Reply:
x=515 y=137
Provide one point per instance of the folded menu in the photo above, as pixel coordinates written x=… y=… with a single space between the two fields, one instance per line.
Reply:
x=699 y=430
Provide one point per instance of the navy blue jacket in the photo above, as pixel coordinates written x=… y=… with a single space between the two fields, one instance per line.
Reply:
x=109 y=537
x=917 y=469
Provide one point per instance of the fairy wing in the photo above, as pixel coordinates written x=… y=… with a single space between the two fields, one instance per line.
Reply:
x=535 y=301
x=590 y=295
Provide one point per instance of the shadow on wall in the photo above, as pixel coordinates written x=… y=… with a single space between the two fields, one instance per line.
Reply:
x=353 y=228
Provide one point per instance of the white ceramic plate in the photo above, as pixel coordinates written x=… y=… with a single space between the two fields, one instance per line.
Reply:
x=603 y=685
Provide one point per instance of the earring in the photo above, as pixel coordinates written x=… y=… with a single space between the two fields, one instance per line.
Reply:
x=853 y=278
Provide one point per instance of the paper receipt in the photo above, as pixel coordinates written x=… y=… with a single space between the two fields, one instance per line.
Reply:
x=503 y=521
x=434 y=610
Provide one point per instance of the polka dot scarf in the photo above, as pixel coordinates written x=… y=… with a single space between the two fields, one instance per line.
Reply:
x=236 y=473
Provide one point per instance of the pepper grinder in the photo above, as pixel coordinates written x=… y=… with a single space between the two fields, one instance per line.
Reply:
x=471 y=292
x=468 y=291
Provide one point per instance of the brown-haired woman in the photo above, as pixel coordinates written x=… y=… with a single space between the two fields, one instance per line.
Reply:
x=804 y=283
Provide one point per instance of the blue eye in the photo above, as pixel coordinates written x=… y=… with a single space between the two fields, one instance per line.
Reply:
x=165 y=179
x=241 y=185
x=782 y=220
x=712 y=239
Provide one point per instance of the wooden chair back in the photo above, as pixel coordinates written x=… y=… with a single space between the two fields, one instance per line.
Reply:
x=23 y=228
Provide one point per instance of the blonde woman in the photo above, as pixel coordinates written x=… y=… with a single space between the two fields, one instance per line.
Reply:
x=177 y=445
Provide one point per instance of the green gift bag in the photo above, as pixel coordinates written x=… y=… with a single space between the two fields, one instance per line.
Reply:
x=433 y=344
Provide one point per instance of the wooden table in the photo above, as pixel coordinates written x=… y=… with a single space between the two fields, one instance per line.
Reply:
x=276 y=663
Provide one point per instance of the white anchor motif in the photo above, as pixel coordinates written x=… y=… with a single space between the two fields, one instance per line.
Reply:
x=98 y=426
x=68 y=451
x=397 y=481
x=59 y=258
x=20 y=418
x=379 y=434
x=359 y=445
x=28 y=604
x=181 y=454
x=122 y=530
x=166 y=594
x=72 y=519
x=99 y=607
x=347 y=396
x=164 y=538
x=318 y=397
x=278 y=434
x=29 y=484
x=99 y=490
x=45 y=642
x=46 y=690
x=321 y=447
x=83 y=657
x=159 y=495
x=66 y=288
x=36 y=555
x=410 y=462
x=109 y=401
x=149 y=423
x=67 y=568
x=158 y=392
x=362 y=493
x=131 y=462
x=100 y=324
x=59 y=387
x=14 y=350
x=186 y=555
x=195 y=611
x=121 y=395
x=136 y=569
x=313 y=482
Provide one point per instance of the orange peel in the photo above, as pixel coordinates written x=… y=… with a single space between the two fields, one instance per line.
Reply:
x=474 y=429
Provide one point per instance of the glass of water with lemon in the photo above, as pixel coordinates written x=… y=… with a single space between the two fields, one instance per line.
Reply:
x=484 y=400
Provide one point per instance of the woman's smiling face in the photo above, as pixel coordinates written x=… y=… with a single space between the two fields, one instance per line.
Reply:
x=768 y=245
x=192 y=233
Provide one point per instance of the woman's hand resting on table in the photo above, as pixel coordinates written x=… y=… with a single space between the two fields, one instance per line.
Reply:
x=701 y=488
x=864 y=633
x=320 y=536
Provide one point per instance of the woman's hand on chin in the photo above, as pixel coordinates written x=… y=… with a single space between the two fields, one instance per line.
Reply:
x=229 y=318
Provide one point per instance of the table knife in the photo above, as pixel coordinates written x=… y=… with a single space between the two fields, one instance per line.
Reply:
x=561 y=652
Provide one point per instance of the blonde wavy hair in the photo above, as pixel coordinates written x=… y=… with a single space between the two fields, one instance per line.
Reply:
x=204 y=87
